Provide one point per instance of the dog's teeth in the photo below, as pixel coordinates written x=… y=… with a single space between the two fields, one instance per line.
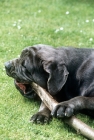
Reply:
x=65 y=114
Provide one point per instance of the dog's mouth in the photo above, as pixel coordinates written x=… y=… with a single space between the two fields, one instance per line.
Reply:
x=22 y=86
x=26 y=90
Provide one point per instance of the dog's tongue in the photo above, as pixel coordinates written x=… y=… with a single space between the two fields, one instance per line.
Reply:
x=21 y=86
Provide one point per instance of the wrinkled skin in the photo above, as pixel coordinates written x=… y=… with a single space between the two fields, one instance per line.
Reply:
x=66 y=73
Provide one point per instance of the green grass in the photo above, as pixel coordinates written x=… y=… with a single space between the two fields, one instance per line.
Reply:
x=24 y=23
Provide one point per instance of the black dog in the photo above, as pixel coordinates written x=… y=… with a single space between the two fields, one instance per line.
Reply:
x=66 y=73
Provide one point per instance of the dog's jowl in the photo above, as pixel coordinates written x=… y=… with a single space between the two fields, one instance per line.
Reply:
x=66 y=73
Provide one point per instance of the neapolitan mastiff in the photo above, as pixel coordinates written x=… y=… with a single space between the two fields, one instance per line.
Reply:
x=66 y=73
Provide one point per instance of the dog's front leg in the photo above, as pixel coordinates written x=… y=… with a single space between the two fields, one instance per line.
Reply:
x=70 y=107
x=42 y=116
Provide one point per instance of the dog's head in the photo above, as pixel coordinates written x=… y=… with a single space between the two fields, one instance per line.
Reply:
x=40 y=64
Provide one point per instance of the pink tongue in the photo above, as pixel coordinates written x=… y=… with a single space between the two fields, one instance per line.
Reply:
x=22 y=87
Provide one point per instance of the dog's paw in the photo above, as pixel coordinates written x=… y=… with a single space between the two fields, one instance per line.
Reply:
x=40 y=118
x=63 y=109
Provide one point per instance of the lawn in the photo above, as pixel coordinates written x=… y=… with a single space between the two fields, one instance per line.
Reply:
x=25 y=23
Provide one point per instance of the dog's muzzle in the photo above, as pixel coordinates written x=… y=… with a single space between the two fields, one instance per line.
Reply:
x=8 y=65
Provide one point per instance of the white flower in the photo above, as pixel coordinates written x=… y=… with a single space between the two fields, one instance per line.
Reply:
x=3 y=69
x=19 y=27
x=18 y=56
x=93 y=20
x=14 y=24
x=57 y=30
x=80 y=44
x=67 y=12
x=61 y=28
x=91 y=39
x=19 y=20
x=9 y=50
x=39 y=11
x=87 y=20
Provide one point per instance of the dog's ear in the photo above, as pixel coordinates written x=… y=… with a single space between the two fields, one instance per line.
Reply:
x=58 y=75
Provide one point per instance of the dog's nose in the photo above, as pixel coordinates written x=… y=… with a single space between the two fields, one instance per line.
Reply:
x=8 y=65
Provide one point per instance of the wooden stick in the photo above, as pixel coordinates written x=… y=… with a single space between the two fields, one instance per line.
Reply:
x=77 y=124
